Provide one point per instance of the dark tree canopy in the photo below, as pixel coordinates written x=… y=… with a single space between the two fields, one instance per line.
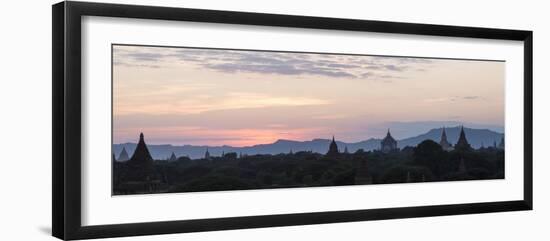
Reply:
x=426 y=162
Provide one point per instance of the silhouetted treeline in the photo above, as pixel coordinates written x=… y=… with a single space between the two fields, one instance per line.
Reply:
x=427 y=162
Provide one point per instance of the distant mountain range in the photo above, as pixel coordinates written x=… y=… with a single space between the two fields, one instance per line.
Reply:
x=476 y=138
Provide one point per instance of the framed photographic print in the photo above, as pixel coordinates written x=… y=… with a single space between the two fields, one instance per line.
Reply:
x=162 y=114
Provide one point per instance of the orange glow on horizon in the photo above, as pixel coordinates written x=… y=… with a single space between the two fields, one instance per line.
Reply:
x=213 y=137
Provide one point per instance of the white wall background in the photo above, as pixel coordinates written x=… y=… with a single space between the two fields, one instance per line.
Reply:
x=25 y=107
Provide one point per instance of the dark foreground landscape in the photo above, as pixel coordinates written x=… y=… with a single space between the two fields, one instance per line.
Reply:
x=429 y=161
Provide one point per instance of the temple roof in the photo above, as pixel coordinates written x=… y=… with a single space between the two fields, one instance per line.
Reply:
x=140 y=167
x=388 y=139
x=141 y=154
x=173 y=157
x=443 y=142
x=462 y=141
x=123 y=155
x=333 y=148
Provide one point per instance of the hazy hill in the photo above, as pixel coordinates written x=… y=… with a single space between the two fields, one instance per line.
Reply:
x=475 y=136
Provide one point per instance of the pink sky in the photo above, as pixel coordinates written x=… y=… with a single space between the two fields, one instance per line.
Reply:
x=239 y=98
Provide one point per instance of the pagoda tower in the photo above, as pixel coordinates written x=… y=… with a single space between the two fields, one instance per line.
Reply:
x=333 y=148
x=445 y=145
x=141 y=163
x=462 y=143
x=207 y=154
x=501 y=144
x=388 y=144
x=173 y=157
x=123 y=155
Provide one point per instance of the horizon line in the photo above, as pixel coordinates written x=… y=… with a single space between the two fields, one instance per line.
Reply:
x=327 y=139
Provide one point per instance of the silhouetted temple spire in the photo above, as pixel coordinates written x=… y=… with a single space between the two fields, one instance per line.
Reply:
x=141 y=154
x=137 y=175
x=123 y=155
x=207 y=154
x=173 y=157
x=462 y=143
x=501 y=144
x=141 y=163
x=445 y=145
x=388 y=144
x=333 y=148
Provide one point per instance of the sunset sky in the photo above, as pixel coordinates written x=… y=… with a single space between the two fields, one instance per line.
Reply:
x=226 y=97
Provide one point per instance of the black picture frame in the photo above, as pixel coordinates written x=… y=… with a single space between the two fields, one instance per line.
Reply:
x=66 y=159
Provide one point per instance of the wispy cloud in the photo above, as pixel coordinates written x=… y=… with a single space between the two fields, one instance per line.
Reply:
x=125 y=64
x=472 y=97
x=454 y=98
x=264 y=62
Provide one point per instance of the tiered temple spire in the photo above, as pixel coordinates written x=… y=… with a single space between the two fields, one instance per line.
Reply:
x=462 y=143
x=207 y=154
x=333 y=148
x=123 y=156
x=141 y=162
x=141 y=154
x=173 y=157
x=388 y=144
x=501 y=144
x=444 y=143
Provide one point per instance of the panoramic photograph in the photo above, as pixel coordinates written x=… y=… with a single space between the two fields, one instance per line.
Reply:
x=187 y=119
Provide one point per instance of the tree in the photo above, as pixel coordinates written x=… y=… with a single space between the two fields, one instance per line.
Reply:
x=429 y=154
x=230 y=155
